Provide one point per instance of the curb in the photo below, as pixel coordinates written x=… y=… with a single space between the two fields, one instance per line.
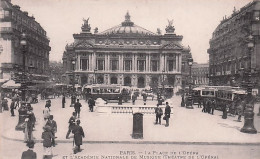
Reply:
x=147 y=142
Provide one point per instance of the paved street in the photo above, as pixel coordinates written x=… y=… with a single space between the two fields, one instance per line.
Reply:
x=190 y=129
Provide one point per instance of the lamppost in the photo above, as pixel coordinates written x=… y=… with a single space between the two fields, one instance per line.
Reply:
x=249 y=112
x=22 y=110
x=73 y=97
x=189 y=102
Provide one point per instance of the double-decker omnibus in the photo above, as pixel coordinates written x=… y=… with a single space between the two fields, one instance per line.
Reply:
x=107 y=92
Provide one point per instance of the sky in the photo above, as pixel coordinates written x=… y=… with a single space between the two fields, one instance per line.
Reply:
x=195 y=20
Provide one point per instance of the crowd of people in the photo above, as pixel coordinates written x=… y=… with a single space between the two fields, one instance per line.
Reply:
x=208 y=105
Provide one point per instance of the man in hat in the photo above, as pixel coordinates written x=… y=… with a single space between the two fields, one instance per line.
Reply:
x=167 y=113
x=48 y=104
x=12 y=107
x=91 y=104
x=158 y=113
x=53 y=126
x=77 y=106
x=63 y=101
x=29 y=154
x=71 y=124
x=78 y=134
x=47 y=144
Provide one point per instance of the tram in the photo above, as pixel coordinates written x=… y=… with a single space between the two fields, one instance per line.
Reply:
x=107 y=92
x=229 y=96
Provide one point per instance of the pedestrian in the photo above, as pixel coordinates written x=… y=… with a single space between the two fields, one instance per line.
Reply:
x=144 y=98
x=167 y=113
x=5 y=104
x=48 y=104
x=208 y=106
x=12 y=107
x=133 y=99
x=63 y=101
x=239 y=111
x=204 y=105
x=46 y=113
x=78 y=135
x=53 y=126
x=224 y=110
x=47 y=142
x=77 y=106
x=91 y=104
x=213 y=106
x=28 y=128
x=199 y=102
x=232 y=109
x=31 y=123
x=160 y=100
x=71 y=124
x=158 y=113
x=120 y=99
x=29 y=154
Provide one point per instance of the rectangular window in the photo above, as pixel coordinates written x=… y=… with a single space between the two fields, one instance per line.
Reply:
x=141 y=65
x=154 y=65
x=128 y=65
x=100 y=64
x=84 y=64
x=114 y=65
x=171 y=65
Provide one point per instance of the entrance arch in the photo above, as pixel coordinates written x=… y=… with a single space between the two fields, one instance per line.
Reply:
x=141 y=82
x=100 y=80
x=127 y=81
x=113 y=80
x=171 y=80
x=154 y=84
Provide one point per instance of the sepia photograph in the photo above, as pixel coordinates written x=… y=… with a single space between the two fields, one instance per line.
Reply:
x=129 y=79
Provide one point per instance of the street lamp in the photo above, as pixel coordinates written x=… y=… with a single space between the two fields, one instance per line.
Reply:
x=22 y=110
x=189 y=102
x=249 y=112
x=73 y=97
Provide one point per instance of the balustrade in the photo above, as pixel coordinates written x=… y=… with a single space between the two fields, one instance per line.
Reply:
x=127 y=109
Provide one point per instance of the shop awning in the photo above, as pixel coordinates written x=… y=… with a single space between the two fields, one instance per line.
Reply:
x=11 y=85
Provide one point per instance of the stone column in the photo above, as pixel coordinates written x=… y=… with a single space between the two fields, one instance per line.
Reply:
x=108 y=63
x=147 y=63
x=94 y=61
x=161 y=63
x=179 y=62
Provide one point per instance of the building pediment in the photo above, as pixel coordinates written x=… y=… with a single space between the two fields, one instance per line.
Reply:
x=172 y=46
x=84 y=44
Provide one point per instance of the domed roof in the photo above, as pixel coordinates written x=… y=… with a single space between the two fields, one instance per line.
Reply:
x=127 y=27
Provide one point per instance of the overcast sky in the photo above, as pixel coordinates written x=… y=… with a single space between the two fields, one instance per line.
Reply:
x=194 y=19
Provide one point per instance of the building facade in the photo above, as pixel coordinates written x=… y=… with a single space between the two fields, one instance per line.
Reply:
x=200 y=74
x=229 y=52
x=14 y=22
x=126 y=54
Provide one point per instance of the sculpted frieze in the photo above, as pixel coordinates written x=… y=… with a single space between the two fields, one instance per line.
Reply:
x=172 y=46
x=84 y=44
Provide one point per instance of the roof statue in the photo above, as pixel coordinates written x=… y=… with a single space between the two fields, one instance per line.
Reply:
x=159 y=32
x=127 y=17
x=170 y=28
x=96 y=30
x=170 y=22
x=127 y=21
x=85 y=27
